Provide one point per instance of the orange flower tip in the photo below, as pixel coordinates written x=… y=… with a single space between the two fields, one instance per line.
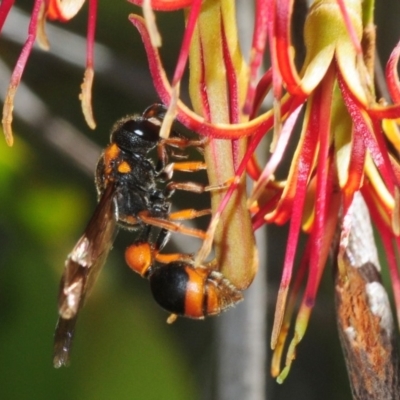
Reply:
x=253 y=207
x=275 y=367
x=86 y=97
x=252 y=204
x=151 y=24
x=63 y=10
x=171 y=319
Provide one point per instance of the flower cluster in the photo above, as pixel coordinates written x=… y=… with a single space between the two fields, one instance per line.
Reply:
x=349 y=140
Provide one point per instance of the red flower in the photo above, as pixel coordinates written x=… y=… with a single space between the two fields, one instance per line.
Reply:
x=343 y=147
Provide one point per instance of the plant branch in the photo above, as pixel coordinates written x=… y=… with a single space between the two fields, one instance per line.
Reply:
x=364 y=317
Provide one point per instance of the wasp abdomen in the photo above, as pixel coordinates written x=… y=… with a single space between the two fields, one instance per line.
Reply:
x=192 y=292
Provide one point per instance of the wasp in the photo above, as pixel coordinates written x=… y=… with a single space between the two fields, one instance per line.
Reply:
x=135 y=193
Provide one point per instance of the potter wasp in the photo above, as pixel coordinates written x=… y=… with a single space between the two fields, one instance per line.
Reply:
x=135 y=194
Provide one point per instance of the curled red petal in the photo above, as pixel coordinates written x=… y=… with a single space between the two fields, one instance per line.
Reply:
x=299 y=183
x=284 y=10
x=5 y=7
x=187 y=117
x=253 y=168
x=391 y=74
x=276 y=73
x=288 y=312
x=299 y=174
x=18 y=71
x=373 y=138
x=324 y=184
x=86 y=92
x=382 y=112
x=314 y=278
x=187 y=39
x=262 y=89
x=277 y=155
x=92 y=16
x=257 y=51
x=355 y=170
x=293 y=237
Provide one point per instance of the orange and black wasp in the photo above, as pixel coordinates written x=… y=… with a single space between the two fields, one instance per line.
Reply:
x=129 y=196
x=135 y=193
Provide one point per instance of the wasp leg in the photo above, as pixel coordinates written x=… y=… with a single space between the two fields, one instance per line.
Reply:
x=189 y=213
x=178 y=143
x=146 y=218
x=169 y=258
x=166 y=171
x=187 y=166
x=194 y=187
x=183 y=143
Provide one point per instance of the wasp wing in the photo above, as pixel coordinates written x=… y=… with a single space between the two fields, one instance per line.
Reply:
x=81 y=270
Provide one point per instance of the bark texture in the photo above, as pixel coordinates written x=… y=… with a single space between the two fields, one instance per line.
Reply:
x=364 y=316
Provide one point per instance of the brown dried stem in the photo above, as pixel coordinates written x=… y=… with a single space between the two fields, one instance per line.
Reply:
x=364 y=317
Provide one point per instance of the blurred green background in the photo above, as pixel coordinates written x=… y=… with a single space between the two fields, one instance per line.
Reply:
x=123 y=348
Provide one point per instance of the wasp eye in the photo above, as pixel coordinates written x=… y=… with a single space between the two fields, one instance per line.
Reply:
x=136 y=134
x=143 y=129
